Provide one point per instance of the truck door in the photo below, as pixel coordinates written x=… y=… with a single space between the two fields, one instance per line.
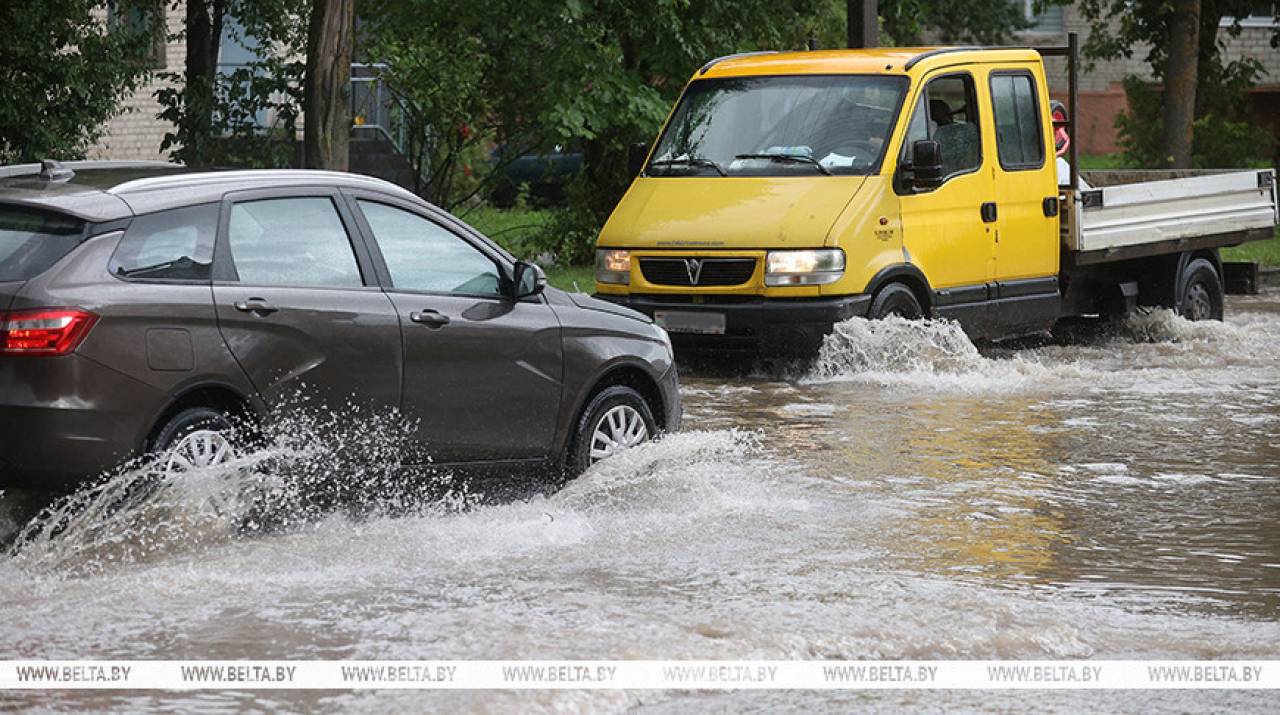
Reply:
x=943 y=229
x=1026 y=235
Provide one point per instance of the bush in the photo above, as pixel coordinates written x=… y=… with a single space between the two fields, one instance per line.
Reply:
x=1223 y=137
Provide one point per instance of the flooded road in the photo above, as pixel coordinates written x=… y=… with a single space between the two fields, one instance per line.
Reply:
x=909 y=496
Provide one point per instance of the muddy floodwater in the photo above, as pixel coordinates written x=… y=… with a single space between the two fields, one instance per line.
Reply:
x=909 y=496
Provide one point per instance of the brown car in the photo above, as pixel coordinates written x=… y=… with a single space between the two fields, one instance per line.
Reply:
x=144 y=307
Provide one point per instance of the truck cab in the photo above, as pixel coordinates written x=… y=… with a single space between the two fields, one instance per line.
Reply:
x=791 y=191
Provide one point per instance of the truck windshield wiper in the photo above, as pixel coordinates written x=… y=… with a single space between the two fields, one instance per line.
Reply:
x=788 y=159
x=689 y=161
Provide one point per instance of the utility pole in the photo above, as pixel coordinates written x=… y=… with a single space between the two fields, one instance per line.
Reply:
x=864 y=24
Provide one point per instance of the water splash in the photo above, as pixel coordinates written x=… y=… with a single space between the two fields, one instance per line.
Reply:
x=306 y=465
x=937 y=355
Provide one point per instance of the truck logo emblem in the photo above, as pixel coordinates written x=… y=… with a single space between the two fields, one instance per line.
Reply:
x=693 y=267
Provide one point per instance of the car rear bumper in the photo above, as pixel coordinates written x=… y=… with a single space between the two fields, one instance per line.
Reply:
x=60 y=421
x=780 y=326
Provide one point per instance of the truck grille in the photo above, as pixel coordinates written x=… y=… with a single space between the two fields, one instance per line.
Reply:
x=697 y=271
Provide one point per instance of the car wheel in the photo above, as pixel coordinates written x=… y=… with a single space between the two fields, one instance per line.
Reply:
x=1202 y=296
x=195 y=438
x=896 y=299
x=617 y=418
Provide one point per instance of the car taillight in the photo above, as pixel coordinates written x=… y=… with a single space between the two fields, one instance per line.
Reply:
x=44 y=331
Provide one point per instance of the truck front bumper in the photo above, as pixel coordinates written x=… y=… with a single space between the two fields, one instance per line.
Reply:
x=773 y=326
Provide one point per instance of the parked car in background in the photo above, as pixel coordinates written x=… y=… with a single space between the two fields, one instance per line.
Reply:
x=544 y=174
x=144 y=308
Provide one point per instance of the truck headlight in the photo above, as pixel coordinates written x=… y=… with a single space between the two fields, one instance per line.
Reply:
x=798 y=268
x=613 y=266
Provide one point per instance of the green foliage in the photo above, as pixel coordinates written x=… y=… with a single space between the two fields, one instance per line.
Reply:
x=64 y=73
x=216 y=114
x=1222 y=137
x=955 y=21
x=232 y=134
x=1222 y=133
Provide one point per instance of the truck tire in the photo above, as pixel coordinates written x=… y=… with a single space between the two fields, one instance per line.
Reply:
x=1200 y=288
x=616 y=418
x=896 y=299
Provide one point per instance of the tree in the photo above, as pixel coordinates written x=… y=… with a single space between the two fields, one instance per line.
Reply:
x=1179 y=101
x=1202 y=103
x=954 y=21
x=216 y=113
x=330 y=43
x=65 y=69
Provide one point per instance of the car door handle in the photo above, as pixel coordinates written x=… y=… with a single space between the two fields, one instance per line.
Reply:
x=256 y=305
x=430 y=318
x=989 y=212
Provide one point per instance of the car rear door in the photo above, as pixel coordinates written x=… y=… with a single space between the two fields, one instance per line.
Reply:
x=482 y=372
x=298 y=303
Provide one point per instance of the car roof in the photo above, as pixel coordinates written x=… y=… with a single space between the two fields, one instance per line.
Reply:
x=101 y=191
x=878 y=60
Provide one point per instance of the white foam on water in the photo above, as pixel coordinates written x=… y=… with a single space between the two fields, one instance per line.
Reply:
x=1154 y=352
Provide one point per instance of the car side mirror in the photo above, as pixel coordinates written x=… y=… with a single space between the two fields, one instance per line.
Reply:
x=636 y=154
x=528 y=280
x=926 y=164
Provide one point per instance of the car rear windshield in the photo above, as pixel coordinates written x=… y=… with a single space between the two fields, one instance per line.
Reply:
x=32 y=241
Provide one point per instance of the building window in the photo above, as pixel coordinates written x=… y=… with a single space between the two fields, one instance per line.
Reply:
x=145 y=21
x=1262 y=13
x=1046 y=22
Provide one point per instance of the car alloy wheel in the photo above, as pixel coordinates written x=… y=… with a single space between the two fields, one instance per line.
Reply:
x=618 y=429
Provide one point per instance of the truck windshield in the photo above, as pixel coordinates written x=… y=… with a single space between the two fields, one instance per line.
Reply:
x=780 y=126
x=32 y=241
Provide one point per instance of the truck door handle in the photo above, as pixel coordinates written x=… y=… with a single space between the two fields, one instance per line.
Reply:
x=989 y=212
x=257 y=306
x=430 y=318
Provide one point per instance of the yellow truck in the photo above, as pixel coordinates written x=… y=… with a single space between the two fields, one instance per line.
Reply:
x=789 y=191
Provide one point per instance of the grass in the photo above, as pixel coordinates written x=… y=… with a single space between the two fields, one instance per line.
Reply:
x=1100 y=162
x=513 y=228
x=1266 y=252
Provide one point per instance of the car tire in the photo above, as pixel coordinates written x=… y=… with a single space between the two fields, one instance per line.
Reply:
x=1201 y=291
x=615 y=413
x=195 y=437
x=896 y=299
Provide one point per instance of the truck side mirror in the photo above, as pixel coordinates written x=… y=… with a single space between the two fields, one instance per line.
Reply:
x=926 y=164
x=636 y=154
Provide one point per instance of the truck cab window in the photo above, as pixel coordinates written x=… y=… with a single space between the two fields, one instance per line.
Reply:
x=947 y=112
x=1018 y=139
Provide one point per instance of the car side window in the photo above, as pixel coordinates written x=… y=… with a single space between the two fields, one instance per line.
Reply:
x=424 y=256
x=947 y=113
x=295 y=241
x=168 y=245
x=1019 y=141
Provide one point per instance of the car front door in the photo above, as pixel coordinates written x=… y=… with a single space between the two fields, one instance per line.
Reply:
x=299 y=306
x=482 y=372
x=947 y=231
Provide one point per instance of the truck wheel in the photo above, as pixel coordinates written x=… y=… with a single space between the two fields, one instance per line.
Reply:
x=896 y=299
x=1202 y=296
x=615 y=419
